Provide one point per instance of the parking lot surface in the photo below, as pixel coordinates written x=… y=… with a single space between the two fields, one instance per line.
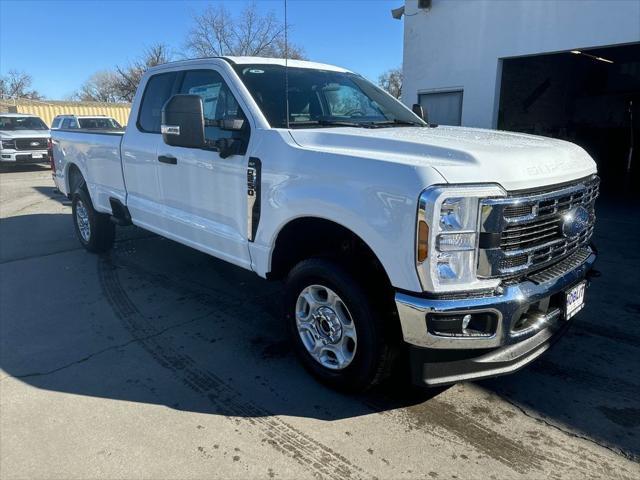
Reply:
x=157 y=361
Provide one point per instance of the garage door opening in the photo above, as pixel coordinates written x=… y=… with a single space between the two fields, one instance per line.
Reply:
x=590 y=97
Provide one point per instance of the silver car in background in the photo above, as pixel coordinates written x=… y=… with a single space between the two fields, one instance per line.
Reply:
x=88 y=122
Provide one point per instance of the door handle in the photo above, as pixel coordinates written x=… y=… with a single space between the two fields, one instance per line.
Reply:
x=170 y=159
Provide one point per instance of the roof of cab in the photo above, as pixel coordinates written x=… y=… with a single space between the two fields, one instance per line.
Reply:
x=80 y=116
x=281 y=61
x=258 y=61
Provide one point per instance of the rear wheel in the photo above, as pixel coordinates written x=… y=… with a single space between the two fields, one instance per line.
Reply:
x=95 y=230
x=337 y=331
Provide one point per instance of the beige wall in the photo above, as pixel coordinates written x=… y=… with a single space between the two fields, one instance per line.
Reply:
x=48 y=110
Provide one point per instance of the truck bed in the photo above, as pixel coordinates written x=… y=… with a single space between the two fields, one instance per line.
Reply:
x=97 y=155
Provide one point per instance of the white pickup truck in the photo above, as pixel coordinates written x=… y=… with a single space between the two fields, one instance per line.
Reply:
x=468 y=248
x=24 y=138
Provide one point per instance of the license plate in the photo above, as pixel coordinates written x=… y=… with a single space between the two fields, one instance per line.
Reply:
x=36 y=155
x=575 y=300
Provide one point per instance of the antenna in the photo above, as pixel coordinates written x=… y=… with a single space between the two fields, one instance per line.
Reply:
x=286 y=64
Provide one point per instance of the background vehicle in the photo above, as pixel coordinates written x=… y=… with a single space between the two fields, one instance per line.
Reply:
x=468 y=247
x=85 y=122
x=23 y=139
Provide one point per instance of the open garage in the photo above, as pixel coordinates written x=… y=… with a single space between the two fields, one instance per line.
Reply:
x=590 y=97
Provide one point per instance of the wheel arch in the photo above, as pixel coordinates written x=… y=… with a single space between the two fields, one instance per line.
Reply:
x=307 y=236
x=73 y=177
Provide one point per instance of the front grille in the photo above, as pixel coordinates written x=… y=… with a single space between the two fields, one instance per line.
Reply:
x=534 y=230
x=26 y=143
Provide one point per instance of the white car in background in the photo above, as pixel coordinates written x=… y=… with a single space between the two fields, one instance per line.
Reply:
x=24 y=138
x=90 y=122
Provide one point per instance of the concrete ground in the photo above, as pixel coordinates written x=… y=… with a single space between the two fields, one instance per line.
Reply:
x=156 y=361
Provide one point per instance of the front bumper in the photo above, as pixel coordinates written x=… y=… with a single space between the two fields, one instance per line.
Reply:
x=24 y=156
x=439 y=360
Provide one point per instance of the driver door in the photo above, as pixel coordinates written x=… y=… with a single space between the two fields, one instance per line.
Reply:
x=204 y=196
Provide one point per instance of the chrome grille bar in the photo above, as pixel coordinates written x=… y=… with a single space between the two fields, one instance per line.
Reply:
x=523 y=233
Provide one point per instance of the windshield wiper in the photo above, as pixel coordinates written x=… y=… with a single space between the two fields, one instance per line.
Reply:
x=331 y=123
x=395 y=121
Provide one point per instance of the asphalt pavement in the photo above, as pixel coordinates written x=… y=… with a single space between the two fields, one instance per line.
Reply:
x=157 y=361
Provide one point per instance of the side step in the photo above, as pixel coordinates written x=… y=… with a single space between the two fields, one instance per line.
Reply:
x=120 y=213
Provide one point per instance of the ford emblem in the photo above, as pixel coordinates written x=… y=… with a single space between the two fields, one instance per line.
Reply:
x=34 y=144
x=575 y=221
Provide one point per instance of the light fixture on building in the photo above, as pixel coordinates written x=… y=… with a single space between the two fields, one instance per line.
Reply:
x=397 y=12
x=600 y=59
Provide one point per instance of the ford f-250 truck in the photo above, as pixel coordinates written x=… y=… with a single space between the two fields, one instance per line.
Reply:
x=469 y=248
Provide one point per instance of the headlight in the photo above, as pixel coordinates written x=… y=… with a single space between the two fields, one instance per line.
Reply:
x=447 y=233
x=8 y=144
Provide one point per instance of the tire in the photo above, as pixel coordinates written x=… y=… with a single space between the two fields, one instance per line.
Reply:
x=368 y=358
x=95 y=230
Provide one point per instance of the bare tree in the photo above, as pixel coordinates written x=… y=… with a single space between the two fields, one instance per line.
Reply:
x=100 y=87
x=16 y=84
x=391 y=81
x=128 y=77
x=216 y=32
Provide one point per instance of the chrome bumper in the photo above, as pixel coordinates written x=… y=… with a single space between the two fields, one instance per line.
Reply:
x=441 y=360
x=507 y=307
x=24 y=156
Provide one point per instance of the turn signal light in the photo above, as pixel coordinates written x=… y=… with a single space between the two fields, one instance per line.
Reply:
x=423 y=241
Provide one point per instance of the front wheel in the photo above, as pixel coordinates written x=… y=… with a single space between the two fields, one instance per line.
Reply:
x=337 y=331
x=95 y=230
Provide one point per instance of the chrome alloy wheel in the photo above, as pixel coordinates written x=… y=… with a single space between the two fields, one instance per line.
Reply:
x=82 y=218
x=326 y=327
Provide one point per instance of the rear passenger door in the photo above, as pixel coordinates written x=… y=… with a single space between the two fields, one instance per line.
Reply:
x=140 y=153
x=204 y=195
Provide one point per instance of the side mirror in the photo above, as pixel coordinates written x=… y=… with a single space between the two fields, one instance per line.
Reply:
x=419 y=111
x=183 y=122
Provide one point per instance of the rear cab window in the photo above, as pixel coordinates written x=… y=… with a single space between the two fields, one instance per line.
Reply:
x=159 y=88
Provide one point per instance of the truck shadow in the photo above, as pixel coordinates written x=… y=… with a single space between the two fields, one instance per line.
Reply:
x=159 y=323
x=53 y=193
x=23 y=167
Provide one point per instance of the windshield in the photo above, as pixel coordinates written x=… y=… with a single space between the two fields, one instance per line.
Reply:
x=99 y=123
x=322 y=98
x=22 y=123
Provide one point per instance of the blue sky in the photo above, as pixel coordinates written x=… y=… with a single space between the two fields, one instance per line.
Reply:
x=61 y=43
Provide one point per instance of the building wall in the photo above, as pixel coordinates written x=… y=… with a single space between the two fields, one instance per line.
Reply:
x=457 y=44
x=48 y=110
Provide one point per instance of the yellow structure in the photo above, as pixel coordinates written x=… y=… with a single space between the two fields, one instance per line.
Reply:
x=48 y=109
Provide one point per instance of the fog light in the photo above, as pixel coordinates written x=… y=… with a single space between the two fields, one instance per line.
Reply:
x=482 y=324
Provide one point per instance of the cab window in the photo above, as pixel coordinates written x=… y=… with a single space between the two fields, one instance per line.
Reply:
x=158 y=90
x=217 y=101
x=69 y=123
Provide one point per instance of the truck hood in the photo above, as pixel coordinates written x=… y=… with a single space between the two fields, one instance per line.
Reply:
x=7 y=134
x=461 y=155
